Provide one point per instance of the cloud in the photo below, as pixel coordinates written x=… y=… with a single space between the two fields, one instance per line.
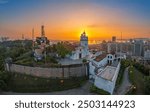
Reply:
x=3 y=1
x=93 y=26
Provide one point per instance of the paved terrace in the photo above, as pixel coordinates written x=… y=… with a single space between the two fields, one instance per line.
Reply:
x=108 y=73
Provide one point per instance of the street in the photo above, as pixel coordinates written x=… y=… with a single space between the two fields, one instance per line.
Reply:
x=125 y=85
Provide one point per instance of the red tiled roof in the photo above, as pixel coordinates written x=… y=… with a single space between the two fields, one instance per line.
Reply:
x=112 y=53
x=100 y=57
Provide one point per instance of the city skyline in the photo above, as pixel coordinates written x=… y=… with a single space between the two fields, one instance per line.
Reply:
x=66 y=19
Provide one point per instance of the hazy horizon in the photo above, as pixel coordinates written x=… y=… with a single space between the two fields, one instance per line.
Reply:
x=67 y=19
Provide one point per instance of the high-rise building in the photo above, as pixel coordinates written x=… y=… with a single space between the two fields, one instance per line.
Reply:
x=2 y=39
x=114 y=39
x=112 y=47
x=147 y=54
x=103 y=46
x=147 y=45
x=130 y=48
x=138 y=48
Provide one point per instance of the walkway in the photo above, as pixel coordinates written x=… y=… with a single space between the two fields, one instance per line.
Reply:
x=125 y=85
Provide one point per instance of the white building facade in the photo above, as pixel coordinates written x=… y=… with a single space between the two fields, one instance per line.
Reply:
x=106 y=79
x=147 y=54
x=82 y=50
x=104 y=71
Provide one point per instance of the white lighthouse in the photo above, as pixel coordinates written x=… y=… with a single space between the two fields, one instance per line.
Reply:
x=84 y=44
x=82 y=50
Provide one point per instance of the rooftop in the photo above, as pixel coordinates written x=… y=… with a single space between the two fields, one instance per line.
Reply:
x=100 y=57
x=108 y=73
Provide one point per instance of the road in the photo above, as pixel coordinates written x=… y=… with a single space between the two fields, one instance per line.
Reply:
x=125 y=85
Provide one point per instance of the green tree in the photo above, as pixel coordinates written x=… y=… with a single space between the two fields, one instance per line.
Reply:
x=62 y=49
x=4 y=79
x=3 y=85
x=147 y=85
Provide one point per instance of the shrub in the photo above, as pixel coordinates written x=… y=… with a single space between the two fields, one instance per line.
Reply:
x=131 y=75
x=38 y=84
x=84 y=60
x=144 y=69
x=132 y=90
x=147 y=85
x=124 y=64
x=3 y=85
x=94 y=89
x=50 y=59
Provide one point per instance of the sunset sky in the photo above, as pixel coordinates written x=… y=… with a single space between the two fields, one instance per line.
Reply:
x=66 y=19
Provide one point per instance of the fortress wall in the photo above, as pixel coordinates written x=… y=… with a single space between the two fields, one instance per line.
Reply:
x=62 y=71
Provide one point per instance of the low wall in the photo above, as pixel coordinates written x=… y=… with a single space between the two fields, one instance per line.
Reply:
x=60 y=72
x=104 y=84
